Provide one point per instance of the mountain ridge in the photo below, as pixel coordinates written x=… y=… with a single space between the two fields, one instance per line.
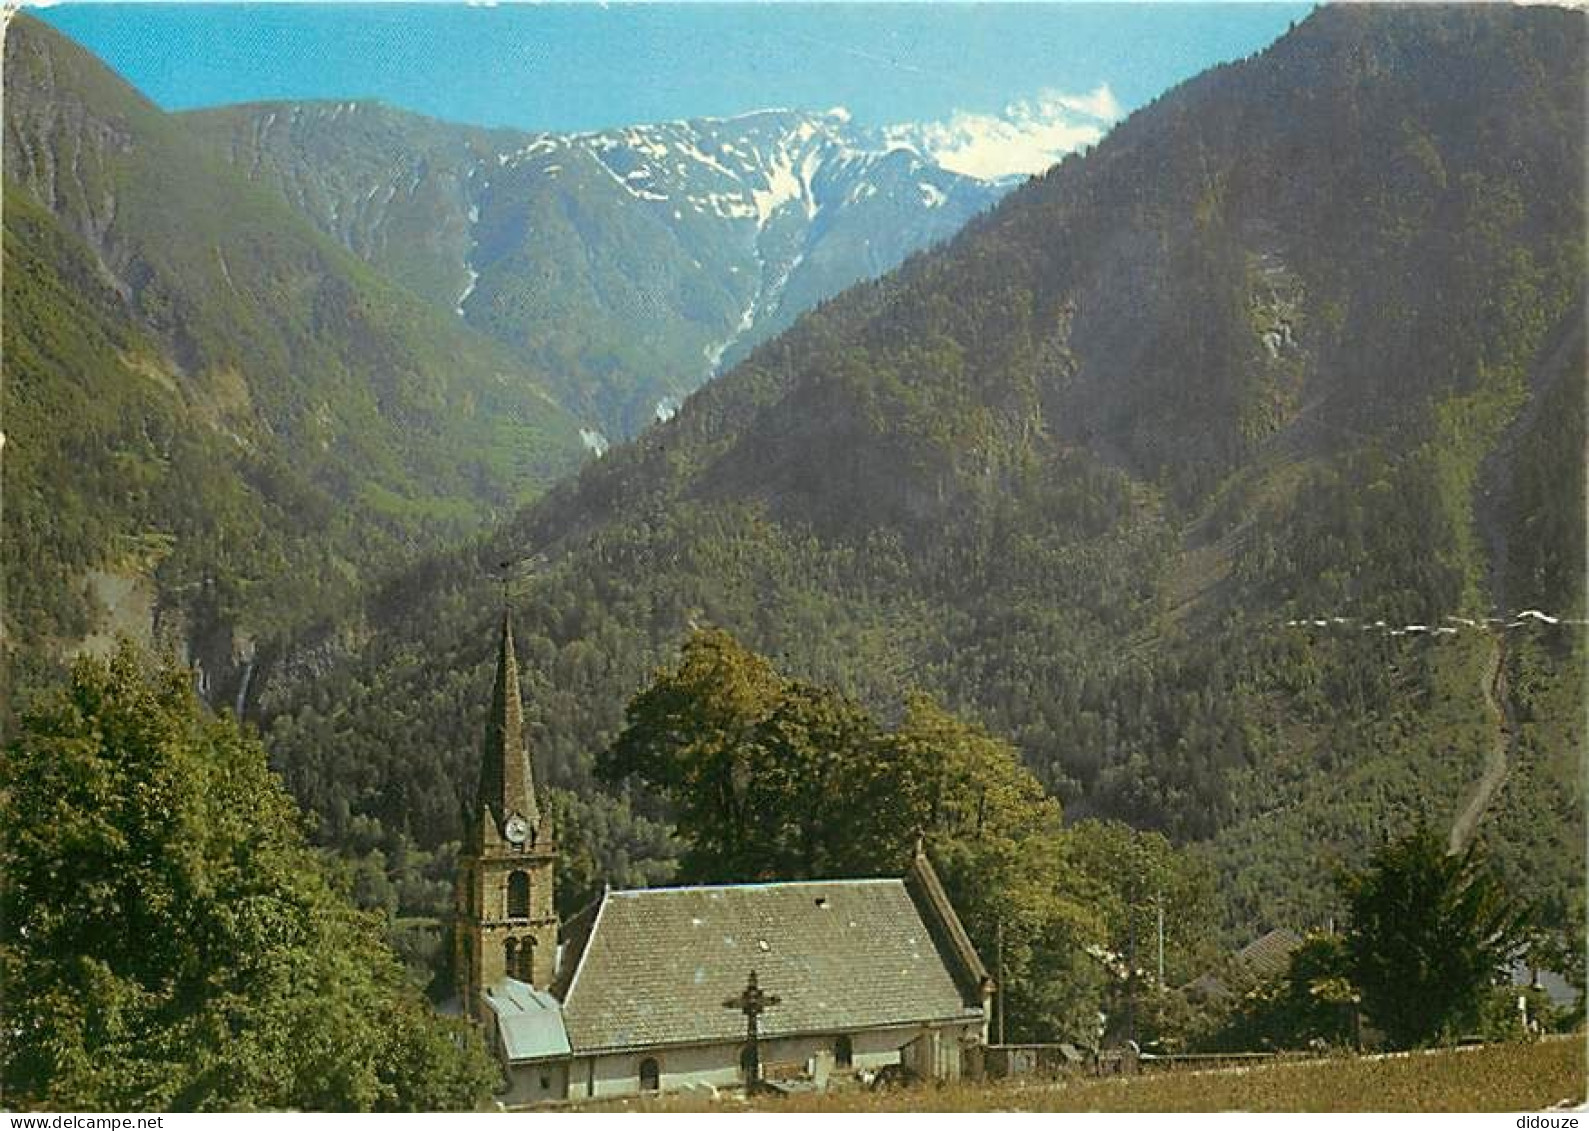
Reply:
x=637 y=261
x=1074 y=471
x=293 y=378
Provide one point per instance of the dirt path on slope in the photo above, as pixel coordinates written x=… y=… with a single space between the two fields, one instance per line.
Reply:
x=1492 y=685
x=1490 y=512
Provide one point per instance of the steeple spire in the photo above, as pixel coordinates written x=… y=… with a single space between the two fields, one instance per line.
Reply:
x=505 y=910
x=507 y=784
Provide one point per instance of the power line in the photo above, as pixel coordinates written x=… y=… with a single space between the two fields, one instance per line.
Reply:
x=1450 y=625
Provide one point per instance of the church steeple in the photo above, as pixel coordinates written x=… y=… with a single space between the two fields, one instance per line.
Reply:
x=505 y=911
x=507 y=782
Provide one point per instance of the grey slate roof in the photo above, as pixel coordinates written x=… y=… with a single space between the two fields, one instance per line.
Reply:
x=1269 y=956
x=654 y=967
x=922 y=881
x=1264 y=959
x=529 y=1021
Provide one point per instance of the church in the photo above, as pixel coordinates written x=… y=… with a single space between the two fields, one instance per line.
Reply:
x=665 y=989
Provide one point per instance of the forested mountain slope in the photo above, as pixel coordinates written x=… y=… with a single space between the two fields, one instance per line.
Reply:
x=629 y=263
x=1303 y=339
x=217 y=420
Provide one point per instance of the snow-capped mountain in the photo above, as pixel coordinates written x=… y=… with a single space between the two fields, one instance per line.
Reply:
x=630 y=264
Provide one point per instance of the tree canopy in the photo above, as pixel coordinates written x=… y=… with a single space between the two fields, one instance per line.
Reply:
x=772 y=778
x=1431 y=931
x=167 y=939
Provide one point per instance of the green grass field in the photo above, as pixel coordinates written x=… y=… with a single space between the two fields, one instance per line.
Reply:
x=1519 y=1077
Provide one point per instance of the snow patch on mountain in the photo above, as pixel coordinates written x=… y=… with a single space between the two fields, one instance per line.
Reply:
x=782 y=188
x=624 y=181
x=750 y=167
x=750 y=201
x=689 y=149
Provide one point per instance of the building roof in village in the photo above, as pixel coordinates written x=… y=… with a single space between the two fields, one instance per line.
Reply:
x=1269 y=956
x=1264 y=959
x=529 y=1021
x=654 y=967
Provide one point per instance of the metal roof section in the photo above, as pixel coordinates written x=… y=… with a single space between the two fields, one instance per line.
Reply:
x=529 y=1021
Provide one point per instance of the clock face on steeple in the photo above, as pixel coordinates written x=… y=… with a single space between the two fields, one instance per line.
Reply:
x=516 y=829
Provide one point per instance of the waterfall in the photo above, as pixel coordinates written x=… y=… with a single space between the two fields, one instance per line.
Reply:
x=242 y=692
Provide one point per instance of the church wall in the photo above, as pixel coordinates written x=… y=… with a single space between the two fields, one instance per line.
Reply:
x=876 y=1048
x=718 y=1065
x=536 y=1083
x=700 y=1065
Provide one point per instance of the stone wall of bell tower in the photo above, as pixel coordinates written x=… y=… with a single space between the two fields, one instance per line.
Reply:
x=507 y=911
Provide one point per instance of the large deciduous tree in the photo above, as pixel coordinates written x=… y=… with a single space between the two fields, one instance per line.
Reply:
x=768 y=777
x=168 y=940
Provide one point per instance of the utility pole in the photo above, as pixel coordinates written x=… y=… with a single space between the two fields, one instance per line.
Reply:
x=1131 y=979
x=1002 y=999
x=1161 y=939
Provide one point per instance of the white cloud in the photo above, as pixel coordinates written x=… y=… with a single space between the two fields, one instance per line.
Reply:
x=1026 y=138
x=1099 y=104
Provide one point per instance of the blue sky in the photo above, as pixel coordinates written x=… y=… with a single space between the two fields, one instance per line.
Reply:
x=1014 y=83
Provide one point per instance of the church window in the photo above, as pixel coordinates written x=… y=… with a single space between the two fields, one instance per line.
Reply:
x=525 y=971
x=519 y=895
x=844 y=1052
x=650 y=1075
x=510 y=958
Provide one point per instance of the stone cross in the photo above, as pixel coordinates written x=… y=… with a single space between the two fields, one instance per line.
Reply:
x=752 y=1001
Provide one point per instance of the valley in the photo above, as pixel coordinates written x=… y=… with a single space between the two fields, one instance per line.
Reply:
x=636 y=263
x=976 y=477
x=1211 y=502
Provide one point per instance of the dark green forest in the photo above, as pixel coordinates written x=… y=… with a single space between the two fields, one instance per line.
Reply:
x=1073 y=474
x=773 y=778
x=130 y=808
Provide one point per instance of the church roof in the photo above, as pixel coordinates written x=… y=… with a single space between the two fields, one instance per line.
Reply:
x=654 y=967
